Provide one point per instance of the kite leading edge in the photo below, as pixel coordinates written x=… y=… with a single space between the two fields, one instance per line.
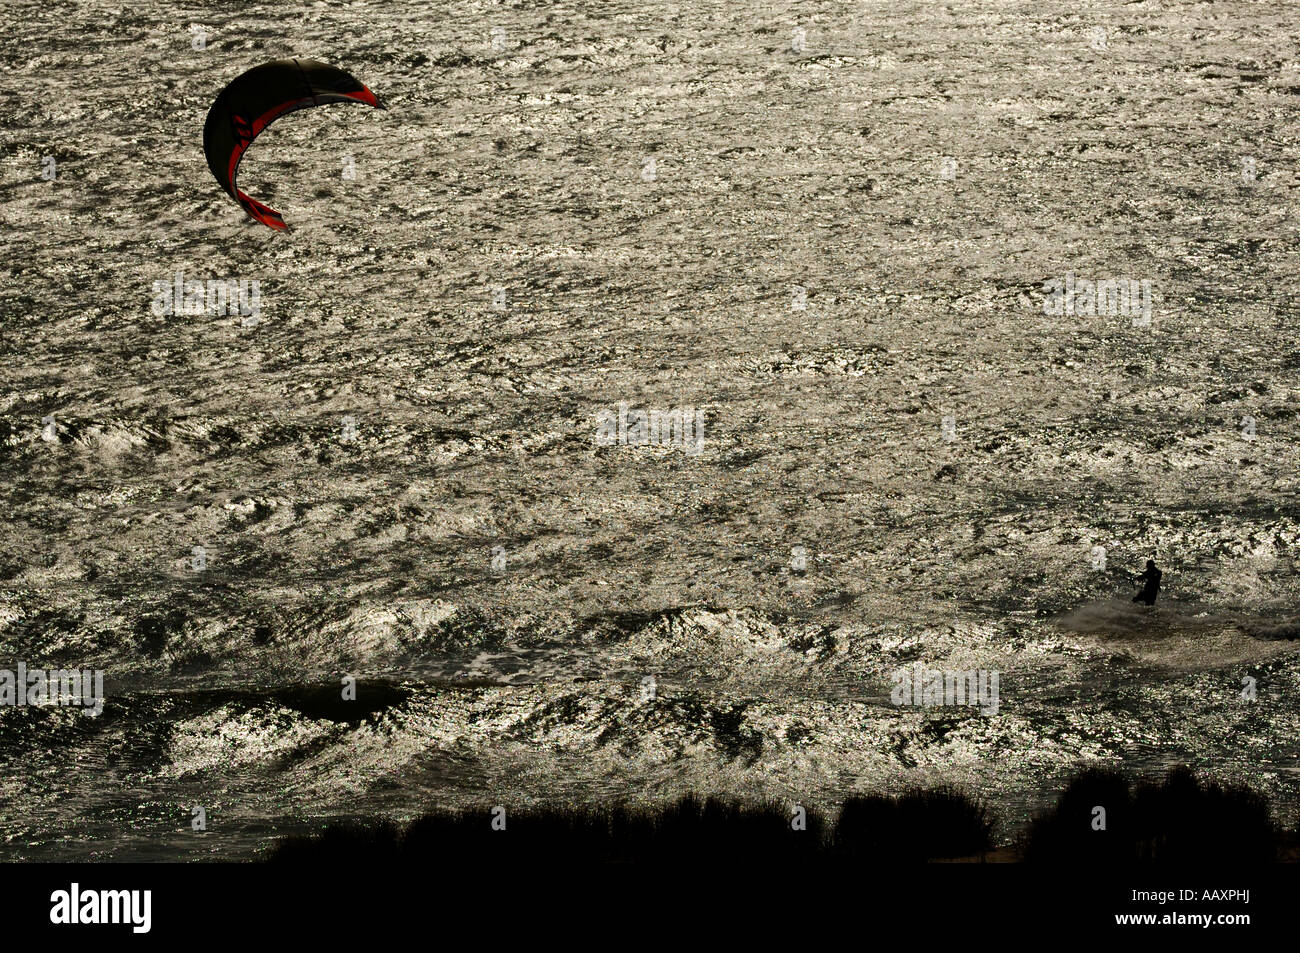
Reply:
x=255 y=99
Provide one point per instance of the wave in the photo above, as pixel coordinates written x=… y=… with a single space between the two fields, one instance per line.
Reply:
x=1118 y=618
x=1287 y=631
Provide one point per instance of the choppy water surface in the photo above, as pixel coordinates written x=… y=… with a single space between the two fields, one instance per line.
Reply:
x=523 y=168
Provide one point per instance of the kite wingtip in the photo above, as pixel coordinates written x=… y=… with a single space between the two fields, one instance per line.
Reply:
x=262 y=213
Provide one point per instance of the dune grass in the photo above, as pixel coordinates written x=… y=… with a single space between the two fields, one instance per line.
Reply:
x=1179 y=819
x=915 y=826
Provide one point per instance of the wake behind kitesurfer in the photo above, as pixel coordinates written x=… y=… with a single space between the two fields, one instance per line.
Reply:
x=1150 y=584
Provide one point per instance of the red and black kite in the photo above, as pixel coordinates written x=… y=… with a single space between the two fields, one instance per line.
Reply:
x=257 y=98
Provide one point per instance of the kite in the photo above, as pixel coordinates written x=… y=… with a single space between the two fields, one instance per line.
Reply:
x=255 y=99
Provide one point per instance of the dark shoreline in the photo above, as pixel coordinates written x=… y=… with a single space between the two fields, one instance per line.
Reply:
x=1101 y=818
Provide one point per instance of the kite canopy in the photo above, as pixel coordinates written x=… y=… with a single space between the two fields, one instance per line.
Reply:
x=257 y=98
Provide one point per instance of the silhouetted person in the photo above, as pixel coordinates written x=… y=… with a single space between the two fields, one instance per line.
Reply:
x=1150 y=584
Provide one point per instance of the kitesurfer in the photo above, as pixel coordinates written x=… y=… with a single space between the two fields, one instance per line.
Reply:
x=1150 y=584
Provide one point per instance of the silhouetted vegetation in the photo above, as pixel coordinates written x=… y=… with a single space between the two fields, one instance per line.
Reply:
x=1178 y=820
x=916 y=826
